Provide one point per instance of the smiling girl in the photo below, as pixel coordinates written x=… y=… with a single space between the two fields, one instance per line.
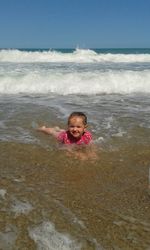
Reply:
x=76 y=132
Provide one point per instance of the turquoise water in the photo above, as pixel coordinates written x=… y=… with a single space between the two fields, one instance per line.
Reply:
x=97 y=50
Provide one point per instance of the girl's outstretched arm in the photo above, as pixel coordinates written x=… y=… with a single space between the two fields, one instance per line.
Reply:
x=51 y=131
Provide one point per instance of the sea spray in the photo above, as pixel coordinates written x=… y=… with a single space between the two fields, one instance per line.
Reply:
x=76 y=56
x=86 y=83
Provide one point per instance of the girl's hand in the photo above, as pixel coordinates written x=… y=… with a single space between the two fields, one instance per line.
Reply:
x=41 y=128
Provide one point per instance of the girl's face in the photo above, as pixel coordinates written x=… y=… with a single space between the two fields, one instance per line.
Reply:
x=76 y=127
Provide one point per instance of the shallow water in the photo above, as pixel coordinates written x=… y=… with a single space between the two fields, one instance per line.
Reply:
x=49 y=199
x=52 y=201
x=98 y=205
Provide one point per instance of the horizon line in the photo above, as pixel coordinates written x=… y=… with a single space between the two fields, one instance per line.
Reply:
x=73 y=48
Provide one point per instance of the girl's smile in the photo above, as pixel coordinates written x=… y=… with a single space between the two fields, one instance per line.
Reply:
x=76 y=127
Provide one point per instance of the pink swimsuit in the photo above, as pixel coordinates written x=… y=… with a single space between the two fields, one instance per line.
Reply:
x=66 y=138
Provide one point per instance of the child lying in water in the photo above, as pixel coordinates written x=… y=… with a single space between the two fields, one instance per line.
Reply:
x=76 y=133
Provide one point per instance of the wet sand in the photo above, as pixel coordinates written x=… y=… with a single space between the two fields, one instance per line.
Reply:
x=101 y=204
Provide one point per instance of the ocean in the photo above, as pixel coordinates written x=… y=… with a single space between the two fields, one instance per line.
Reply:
x=49 y=200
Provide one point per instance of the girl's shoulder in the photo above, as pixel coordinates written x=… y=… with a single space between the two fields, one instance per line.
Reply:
x=87 y=137
x=88 y=134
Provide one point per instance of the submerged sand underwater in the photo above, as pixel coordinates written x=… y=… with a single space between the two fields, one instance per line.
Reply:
x=50 y=201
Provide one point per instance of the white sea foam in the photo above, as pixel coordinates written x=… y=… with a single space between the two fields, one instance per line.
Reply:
x=19 y=207
x=115 y=81
x=78 y=56
x=79 y=72
x=46 y=237
x=3 y=193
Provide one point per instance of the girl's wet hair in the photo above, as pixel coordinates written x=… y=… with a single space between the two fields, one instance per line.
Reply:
x=79 y=114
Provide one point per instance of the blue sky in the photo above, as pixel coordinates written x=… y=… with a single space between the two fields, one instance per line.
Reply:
x=74 y=23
